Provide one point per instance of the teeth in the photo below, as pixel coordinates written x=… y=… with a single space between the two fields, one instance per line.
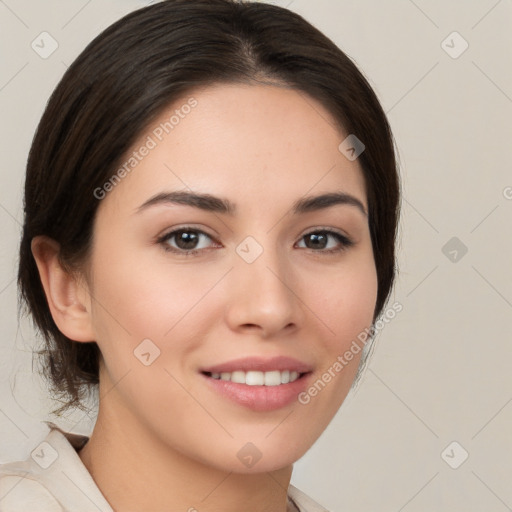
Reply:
x=254 y=378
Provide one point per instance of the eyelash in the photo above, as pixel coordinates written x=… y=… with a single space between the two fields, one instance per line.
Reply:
x=342 y=239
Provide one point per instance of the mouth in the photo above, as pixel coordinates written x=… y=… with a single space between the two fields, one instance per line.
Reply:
x=259 y=384
x=257 y=378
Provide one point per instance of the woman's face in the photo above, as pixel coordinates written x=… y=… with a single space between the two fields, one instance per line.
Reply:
x=189 y=340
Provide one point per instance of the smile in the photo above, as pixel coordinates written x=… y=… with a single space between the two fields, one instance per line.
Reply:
x=255 y=395
x=257 y=378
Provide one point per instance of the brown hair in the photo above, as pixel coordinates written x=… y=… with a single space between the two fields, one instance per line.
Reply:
x=124 y=79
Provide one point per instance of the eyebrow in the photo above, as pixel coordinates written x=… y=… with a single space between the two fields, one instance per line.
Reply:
x=216 y=204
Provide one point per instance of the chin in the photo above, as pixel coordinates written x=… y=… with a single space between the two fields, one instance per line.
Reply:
x=261 y=454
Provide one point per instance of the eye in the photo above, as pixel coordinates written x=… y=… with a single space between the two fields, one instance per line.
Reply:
x=187 y=241
x=319 y=241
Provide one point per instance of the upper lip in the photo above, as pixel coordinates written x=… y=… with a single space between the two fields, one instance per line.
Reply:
x=261 y=364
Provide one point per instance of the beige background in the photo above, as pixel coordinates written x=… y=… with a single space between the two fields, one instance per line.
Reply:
x=440 y=371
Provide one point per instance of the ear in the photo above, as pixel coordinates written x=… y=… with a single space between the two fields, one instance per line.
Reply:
x=68 y=296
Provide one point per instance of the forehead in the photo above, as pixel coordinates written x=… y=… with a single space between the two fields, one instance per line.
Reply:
x=257 y=144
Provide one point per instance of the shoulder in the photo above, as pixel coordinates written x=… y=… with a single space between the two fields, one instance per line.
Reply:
x=20 y=490
x=52 y=478
x=303 y=501
x=21 y=487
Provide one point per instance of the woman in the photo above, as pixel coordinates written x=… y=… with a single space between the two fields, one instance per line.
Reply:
x=211 y=205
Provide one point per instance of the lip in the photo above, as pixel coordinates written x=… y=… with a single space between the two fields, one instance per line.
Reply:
x=260 y=364
x=259 y=398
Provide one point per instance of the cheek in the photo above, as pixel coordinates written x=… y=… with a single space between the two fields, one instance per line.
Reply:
x=346 y=307
x=346 y=300
x=170 y=305
x=139 y=297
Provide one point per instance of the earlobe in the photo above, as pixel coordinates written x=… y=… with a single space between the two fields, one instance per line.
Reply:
x=68 y=298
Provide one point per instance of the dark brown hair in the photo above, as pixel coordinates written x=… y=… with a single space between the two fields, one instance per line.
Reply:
x=124 y=79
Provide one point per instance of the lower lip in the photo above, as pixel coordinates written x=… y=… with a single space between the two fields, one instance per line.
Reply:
x=260 y=398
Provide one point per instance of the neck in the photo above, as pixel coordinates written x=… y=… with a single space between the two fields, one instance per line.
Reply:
x=136 y=471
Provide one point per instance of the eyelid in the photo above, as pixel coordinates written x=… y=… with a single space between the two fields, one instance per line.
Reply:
x=179 y=227
x=308 y=231
x=327 y=228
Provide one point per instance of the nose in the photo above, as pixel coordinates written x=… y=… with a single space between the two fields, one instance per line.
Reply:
x=262 y=297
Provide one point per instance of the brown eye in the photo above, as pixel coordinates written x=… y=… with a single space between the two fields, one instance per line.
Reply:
x=184 y=241
x=319 y=241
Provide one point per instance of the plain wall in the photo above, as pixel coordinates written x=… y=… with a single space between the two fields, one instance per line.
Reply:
x=440 y=371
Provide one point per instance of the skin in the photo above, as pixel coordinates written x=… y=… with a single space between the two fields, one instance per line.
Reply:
x=175 y=440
